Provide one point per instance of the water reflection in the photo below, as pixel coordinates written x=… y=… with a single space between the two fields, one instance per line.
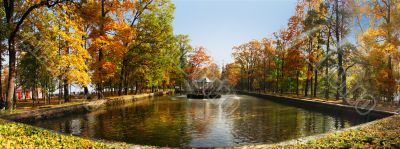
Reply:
x=180 y=122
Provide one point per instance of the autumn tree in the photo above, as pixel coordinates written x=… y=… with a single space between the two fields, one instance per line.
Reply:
x=108 y=31
x=381 y=39
x=268 y=58
x=313 y=22
x=73 y=56
x=317 y=38
x=140 y=11
x=154 y=38
x=121 y=45
x=281 y=51
x=246 y=55
x=294 y=58
x=327 y=25
x=15 y=17
x=198 y=60
x=231 y=73
x=213 y=71
x=183 y=43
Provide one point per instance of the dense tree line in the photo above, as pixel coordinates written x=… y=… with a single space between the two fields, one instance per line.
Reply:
x=118 y=47
x=341 y=49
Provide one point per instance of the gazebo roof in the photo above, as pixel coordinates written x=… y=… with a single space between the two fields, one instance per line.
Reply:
x=203 y=80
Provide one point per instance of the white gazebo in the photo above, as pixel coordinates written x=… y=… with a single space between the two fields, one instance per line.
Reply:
x=203 y=82
x=203 y=89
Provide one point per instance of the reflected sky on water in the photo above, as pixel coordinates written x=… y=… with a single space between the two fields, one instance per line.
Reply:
x=180 y=122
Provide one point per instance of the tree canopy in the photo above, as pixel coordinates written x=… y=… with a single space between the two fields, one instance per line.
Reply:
x=343 y=49
x=115 y=47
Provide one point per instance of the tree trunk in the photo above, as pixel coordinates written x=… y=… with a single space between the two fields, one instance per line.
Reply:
x=24 y=90
x=86 y=92
x=136 y=87
x=306 y=87
x=2 y=102
x=327 y=87
x=344 y=89
x=307 y=80
x=248 y=79
x=125 y=84
x=315 y=81
x=316 y=69
x=391 y=81
x=66 y=91
x=101 y=55
x=60 y=89
x=44 y=96
x=33 y=96
x=311 y=85
x=276 y=90
x=282 y=72
x=297 y=82
x=48 y=96
x=121 y=78
x=264 y=75
x=11 y=73
x=340 y=82
x=37 y=94
x=15 y=98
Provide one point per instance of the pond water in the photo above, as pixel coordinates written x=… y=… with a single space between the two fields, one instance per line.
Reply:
x=180 y=122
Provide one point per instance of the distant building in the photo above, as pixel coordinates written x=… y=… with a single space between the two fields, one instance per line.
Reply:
x=203 y=83
x=21 y=94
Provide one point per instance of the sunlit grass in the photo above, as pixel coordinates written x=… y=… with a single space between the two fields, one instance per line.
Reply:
x=17 y=135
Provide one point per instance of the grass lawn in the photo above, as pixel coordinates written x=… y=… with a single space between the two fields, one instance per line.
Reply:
x=17 y=135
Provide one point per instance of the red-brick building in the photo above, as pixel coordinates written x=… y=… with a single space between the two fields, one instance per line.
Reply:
x=21 y=94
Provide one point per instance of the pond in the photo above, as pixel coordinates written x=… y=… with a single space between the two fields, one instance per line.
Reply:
x=175 y=121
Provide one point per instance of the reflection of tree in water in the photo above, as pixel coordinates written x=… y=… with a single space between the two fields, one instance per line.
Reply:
x=159 y=122
x=317 y=123
x=153 y=123
x=200 y=116
x=260 y=121
x=254 y=123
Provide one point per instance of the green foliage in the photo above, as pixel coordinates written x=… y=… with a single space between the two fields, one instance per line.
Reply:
x=3 y=25
x=28 y=71
x=153 y=54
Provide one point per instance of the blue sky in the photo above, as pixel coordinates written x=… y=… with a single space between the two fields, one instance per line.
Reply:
x=218 y=25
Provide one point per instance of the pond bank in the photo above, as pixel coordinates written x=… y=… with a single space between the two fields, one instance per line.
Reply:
x=381 y=133
x=322 y=106
x=48 y=113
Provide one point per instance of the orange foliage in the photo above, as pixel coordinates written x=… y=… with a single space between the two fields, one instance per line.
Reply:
x=197 y=62
x=232 y=73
